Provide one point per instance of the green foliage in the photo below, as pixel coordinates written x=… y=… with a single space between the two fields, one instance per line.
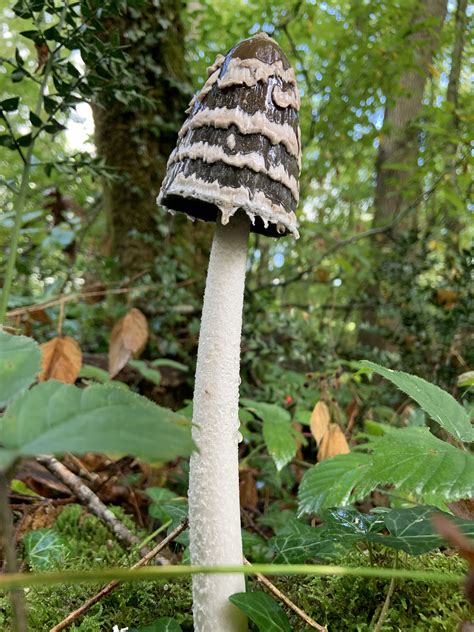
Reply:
x=163 y=624
x=57 y=418
x=19 y=365
x=262 y=610
x=278 y=433
x=44 y=549
x=440 y=406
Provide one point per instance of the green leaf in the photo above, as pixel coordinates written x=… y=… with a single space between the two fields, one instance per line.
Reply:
x=160 y=494
x=94 y=373
x=164 y=624
x=10 y=105
x=35 y=120
x=44 y=549
x=20 y=361
x=411 y=531
x=171 y=363
x=416 y=461
x=262 y=610
x=298 y=548
x=24 y=140
x=439 y=405
x=36 y=36
x=18 y=75
x=334 y=482
x=149 y=374
x=6 y=140
x=55 y=418
x=278 y=432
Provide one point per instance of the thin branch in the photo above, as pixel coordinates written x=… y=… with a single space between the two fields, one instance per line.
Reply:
x=284 y=599
x=93 y=502
x=386 y=604
x=113 y=584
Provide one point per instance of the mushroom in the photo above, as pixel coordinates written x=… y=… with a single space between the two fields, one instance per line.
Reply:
x=236 y=163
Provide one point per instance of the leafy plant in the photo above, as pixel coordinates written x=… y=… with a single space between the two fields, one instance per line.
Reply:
x=262 y=610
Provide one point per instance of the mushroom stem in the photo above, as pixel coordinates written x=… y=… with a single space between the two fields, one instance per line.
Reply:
x=214 y=507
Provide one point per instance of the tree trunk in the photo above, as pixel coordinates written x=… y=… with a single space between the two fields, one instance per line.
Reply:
x=396 y=186
x=135 y=138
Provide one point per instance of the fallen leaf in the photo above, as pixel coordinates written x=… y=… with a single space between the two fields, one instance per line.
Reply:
x=127 y=340
x=320 y=420
x=61 y=360
x=333 y=443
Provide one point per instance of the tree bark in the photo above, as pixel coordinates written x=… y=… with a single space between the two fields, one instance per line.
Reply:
x=396 y=186
x=135 y=139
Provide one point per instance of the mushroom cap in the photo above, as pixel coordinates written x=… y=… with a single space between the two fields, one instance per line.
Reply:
x=240 y=147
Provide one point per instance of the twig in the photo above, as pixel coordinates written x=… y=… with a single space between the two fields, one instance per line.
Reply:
x=17 y=597
x=93 y=502
x=386 y=603
x=113 y=584
x=284 y=599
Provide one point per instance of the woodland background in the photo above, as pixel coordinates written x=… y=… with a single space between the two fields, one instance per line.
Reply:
x=382 y=268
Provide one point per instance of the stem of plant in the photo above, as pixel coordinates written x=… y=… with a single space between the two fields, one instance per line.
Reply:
x=17 y=597
x=214 y=507
x=20 y=201
x=386 y=604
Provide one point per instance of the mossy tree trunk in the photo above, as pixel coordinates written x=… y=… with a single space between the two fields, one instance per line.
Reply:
x=136 y=128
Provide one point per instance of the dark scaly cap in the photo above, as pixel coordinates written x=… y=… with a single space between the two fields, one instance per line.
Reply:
x=240 y=147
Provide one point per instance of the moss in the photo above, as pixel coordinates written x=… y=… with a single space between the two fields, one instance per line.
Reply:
x=89 y=544
x=341 y=603
x=352 y=603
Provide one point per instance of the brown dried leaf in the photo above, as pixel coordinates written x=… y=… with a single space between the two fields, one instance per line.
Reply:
x=333 y=443
x=463 y=508
x=61 y=360
x=320 y=420
x=128 y=339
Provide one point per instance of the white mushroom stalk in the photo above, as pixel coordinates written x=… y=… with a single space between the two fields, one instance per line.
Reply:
x=236 y=163
x=214 y=508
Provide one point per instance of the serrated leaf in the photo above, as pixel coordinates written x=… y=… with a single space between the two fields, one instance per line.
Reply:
x=44 y=549
x=128 y=339
x=54 y=418
x=438 y=404
x=411 y=530
x=163 y=624
x=262 y=610
x=20 y=359
x=277 y=431
x=416 y=461
x=334 y=482
x=61 y=360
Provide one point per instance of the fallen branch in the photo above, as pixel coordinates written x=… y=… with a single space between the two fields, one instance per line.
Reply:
x=113 y=584
x=93 y=502
x=284 y=599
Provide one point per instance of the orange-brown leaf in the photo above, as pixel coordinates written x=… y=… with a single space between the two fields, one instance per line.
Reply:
x=333 y=443
x=128 y=339
x=320 y=420
x=61 y=360
x=248 y=489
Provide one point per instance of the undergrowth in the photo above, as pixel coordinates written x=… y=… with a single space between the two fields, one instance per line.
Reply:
x=341 y=603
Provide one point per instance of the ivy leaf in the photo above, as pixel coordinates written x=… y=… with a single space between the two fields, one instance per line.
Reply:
x=298 y=548
x=334 y=482
x=411 y=530
x=277 y=431
x=262 y=610
x=44 y=549
x=20 y=360
x=55 y=418
x=439 y=405
x=415 y=461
